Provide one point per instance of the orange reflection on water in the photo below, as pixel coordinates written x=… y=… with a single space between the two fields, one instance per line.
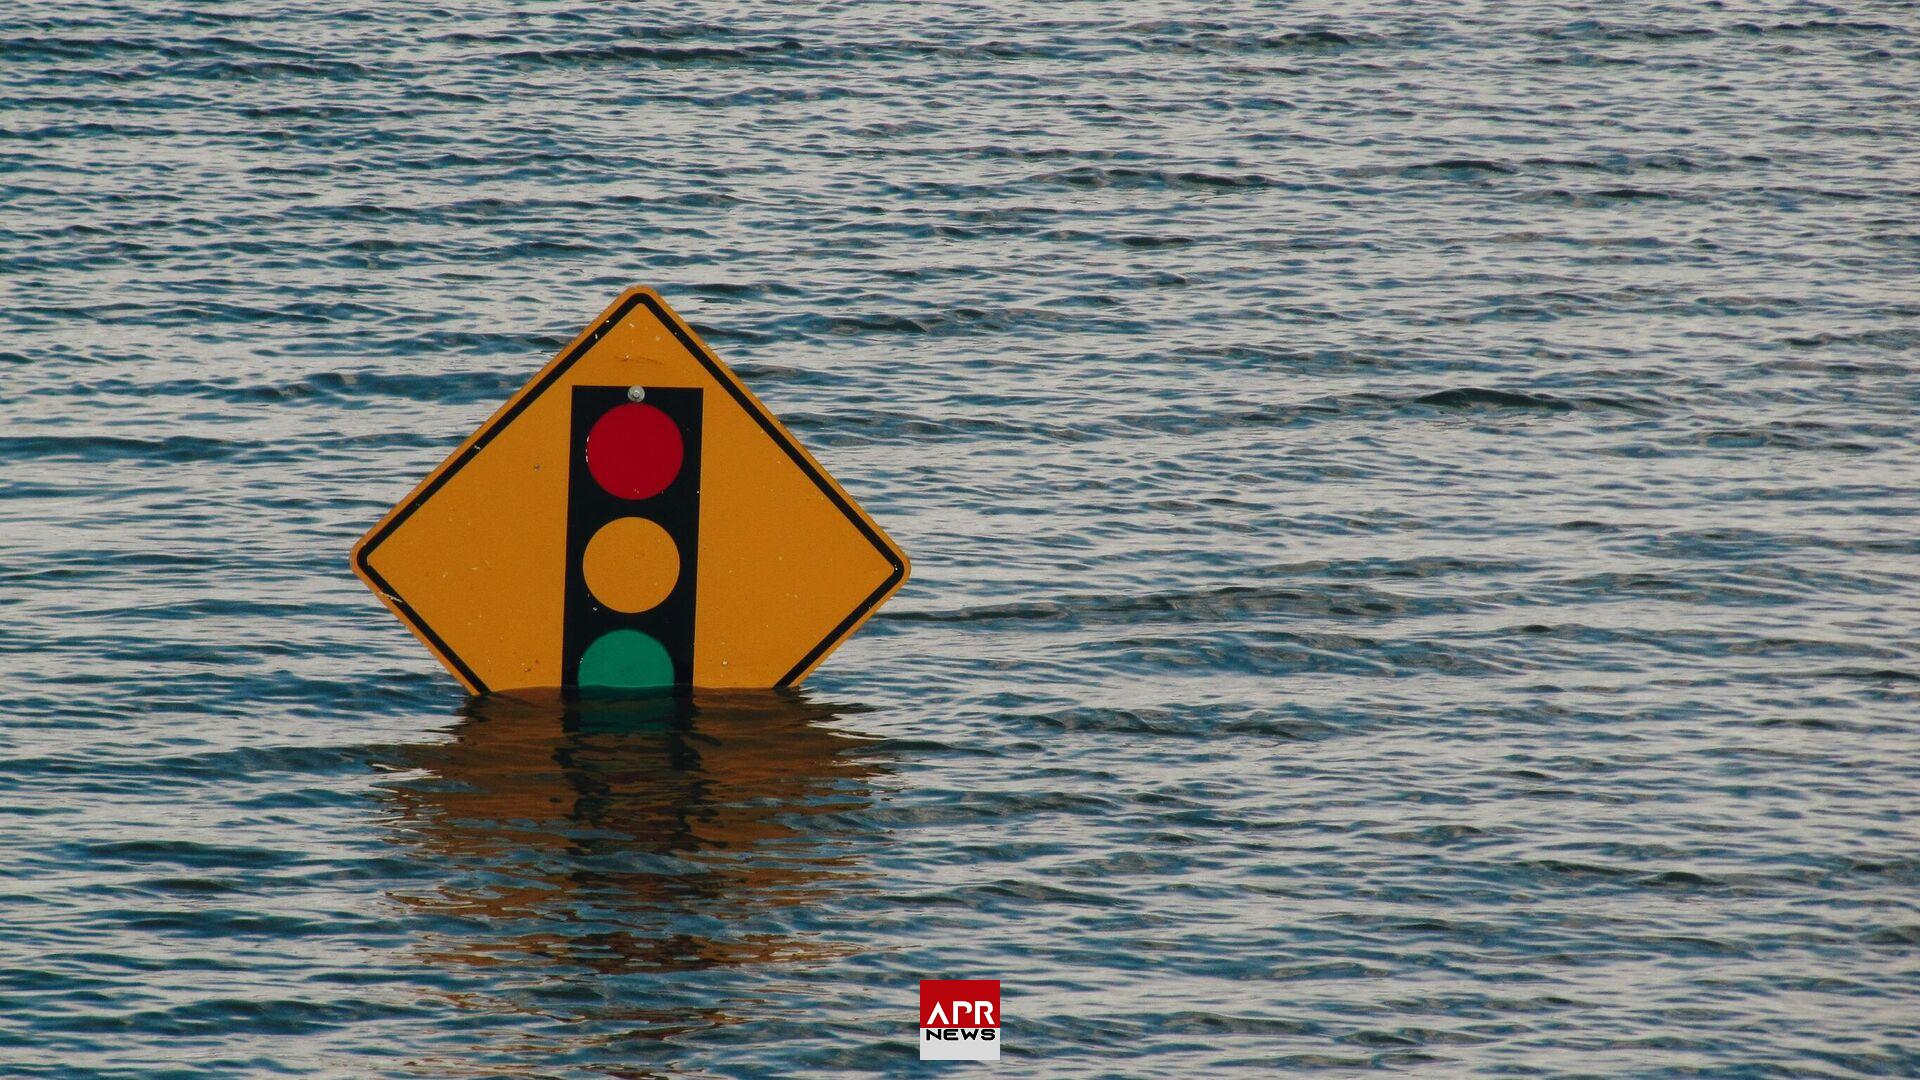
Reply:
x=613 y=837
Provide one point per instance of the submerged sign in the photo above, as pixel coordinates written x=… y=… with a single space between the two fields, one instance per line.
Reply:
x=632 y=518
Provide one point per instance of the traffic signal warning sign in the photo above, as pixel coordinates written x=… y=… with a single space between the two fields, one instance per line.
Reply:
x=633 y=518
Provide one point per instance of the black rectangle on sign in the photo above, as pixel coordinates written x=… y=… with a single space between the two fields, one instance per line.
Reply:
x=591 y=507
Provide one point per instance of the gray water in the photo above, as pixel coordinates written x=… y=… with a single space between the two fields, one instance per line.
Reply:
x=1413 y=513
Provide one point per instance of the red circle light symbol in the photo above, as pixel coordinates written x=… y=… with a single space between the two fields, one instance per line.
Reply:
x=634 y=451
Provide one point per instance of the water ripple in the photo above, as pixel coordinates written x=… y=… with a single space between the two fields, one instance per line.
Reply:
x=1411 y=508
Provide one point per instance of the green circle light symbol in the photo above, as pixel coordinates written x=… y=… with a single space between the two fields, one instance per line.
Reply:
x=626 y=660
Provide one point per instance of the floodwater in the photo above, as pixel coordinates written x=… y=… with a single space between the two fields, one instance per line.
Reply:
x=1413 y=514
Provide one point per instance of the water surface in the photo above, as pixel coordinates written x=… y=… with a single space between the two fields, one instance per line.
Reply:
x=1413 y=510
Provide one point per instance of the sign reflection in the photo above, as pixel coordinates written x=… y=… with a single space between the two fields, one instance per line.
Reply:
x=570 y=841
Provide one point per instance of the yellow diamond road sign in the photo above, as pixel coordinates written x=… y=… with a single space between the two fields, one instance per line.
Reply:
x=633 y=518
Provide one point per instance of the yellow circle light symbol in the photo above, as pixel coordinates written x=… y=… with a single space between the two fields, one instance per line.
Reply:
x=631 y=564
